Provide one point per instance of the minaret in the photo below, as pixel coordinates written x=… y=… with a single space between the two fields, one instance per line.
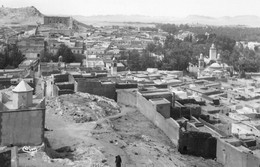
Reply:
x=84 y=61
x=114 y=67
x=60 y=59
x=218 y=59
x=60 y=63
x=22 y=95
x=213 y=52
x=201 y=64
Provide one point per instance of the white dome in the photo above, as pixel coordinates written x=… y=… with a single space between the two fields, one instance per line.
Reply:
x=215 y=65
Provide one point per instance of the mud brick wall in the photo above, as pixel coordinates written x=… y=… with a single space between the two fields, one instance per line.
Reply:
x=97 y=88
x=66 y=91
x=61 y=78
x=198 y=144
x=69 y=86
x=179 y=112
x=169 y=126
x=223 y=129
x=190 y=101
x=126 y=85
x=22 y=127
x=5 y=83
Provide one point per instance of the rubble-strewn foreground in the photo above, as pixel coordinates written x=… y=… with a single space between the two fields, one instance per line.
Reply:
x=82 y=107
x=76 y=140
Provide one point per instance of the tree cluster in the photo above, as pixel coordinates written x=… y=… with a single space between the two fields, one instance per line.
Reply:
x=11 y=57
x=64 y=51
x=179 y=53
x=136 y=61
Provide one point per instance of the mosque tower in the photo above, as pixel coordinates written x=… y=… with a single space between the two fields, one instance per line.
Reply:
x=201 y=64
x=213 y=52
x=218 y=59
x=114 y=67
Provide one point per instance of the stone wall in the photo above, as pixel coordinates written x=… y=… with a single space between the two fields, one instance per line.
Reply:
x=231 y=156
x=198 y=144
x=169 y=126
x=22 y=127
x=223 y=129
x=187 y=112
x=133 y=98
x=96 y=87
x=126 y=85
x=60 y=78
x=63 y=88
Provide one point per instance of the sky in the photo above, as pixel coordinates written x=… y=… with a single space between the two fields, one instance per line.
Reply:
x=173 y=8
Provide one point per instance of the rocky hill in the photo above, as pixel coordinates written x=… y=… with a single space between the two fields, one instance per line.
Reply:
x=20 y=16
x=29 y=16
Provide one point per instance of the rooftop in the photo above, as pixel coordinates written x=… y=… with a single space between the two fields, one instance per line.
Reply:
x=23 y=87
x=159 y=101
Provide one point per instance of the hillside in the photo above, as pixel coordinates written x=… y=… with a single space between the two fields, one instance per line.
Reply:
x=27 y=16
x=21 y=16
x=247 y=20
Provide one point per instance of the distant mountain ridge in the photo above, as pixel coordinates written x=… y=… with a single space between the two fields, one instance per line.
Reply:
x=247 y=20
x=31 y=15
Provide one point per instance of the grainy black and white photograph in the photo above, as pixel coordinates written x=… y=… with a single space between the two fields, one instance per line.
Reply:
x=129 y=83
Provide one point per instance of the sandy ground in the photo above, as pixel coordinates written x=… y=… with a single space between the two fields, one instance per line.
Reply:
x=95 y=144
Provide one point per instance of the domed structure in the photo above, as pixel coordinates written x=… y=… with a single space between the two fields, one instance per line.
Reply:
x=217 y=69
x=215 y=66
x=22 y=95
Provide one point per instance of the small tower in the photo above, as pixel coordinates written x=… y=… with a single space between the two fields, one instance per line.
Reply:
x=213 y=52
x=201 y=64
x=60 y=59
x=84 y=61
x=22 y=95
x=61 y=64
x=218 y=59
x=114 y=67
